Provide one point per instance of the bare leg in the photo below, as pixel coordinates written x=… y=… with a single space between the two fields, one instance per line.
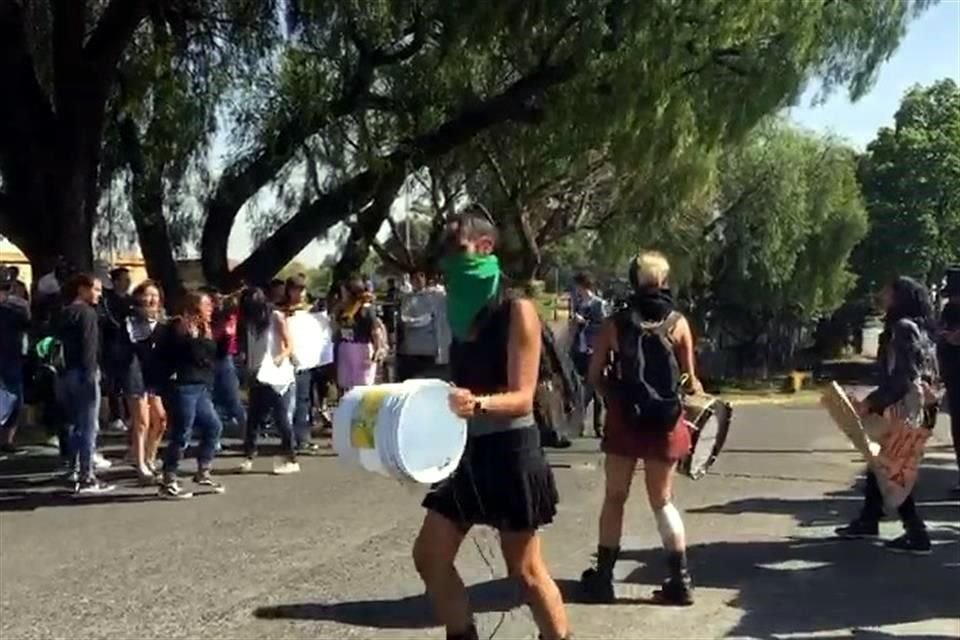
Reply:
x=619 y=476
x=139 y=412
x=523 y=554
x=658 y=476
x=434 y=553
x=158 y=426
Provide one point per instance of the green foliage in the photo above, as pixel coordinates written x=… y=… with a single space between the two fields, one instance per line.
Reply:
x=910 y=177
x=789 y=214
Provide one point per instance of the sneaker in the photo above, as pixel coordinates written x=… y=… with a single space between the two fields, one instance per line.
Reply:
x=309 y=449
x=246 y=466
x=100 y=463
x=596 y=589
x=119 y=426
x=92 y=488
x=11 y=449
x=173 y=491
x=146 y=477
x=286 y=468
x=916 y=544
x=858 y=529
x=205 y=479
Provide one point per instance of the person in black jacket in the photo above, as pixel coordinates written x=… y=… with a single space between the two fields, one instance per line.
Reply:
x=905 y=356
x=143 y=330
x=189 y=353
x=121 y=380
x=79 y=333
x=949 y=354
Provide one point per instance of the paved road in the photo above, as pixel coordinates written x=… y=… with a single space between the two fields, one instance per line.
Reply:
x=326 y=554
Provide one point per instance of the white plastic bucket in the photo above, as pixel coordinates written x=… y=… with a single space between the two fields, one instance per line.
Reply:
x=405 y=431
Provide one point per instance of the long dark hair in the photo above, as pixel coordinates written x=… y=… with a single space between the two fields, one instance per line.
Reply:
x=255 y=310
x=911 y=300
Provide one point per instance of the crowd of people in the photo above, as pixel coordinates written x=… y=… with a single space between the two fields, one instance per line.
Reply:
x=636 y=361
x=89 y=350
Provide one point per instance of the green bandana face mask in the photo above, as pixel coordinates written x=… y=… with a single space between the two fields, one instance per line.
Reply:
x=472 y=281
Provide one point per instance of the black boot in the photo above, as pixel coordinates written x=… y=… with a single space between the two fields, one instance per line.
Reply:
x=678 y=589
x=597 y=583
x=469 y=634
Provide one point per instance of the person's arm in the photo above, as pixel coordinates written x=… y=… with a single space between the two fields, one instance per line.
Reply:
x=90 y=341
x=687 y=354
x=597 y=373
x=378 y=335
x=523 y=366
x=443 y=331
x=286 y=344
x=895 y=384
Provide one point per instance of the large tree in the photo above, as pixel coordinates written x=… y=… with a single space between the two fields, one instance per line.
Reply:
x=60 y=61
x=786 y=215
x=345 y=99
x=911 y=180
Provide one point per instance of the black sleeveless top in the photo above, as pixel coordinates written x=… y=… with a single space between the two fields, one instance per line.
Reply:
x=481 y=365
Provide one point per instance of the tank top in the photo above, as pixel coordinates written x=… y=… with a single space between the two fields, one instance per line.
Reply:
x=481 y=365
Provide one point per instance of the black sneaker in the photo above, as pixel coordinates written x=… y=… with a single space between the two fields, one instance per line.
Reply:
x=597 y=589
x=858 y=530
x=11 y=449
x=92 y=487
x=676 y=592
x=915 y=544
x=173 y=491
x=205 y=479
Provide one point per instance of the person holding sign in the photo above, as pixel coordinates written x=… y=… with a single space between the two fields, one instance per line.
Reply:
x=503 y=480
x=899 y=413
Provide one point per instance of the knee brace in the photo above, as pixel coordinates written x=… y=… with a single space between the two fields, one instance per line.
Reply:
x=670 y=527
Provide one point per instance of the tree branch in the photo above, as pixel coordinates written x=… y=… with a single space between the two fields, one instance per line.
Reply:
x=315 y=218
x=112 y=35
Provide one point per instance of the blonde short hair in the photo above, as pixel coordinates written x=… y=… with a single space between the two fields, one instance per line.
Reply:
x=650 y=269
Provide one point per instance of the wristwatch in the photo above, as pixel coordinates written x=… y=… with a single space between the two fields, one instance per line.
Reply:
x=478 y=407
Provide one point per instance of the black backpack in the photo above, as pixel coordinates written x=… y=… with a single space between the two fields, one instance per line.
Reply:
x=646 y=375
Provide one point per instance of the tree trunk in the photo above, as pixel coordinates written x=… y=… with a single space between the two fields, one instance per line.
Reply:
x=364 y=232
x=147 y=210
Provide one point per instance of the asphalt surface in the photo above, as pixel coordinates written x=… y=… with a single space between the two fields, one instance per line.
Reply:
x=326 y=554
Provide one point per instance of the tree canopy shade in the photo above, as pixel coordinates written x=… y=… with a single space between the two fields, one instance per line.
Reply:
x=910 y=177
x=340 y=101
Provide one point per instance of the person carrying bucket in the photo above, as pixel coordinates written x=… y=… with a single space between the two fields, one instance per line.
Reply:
x=503 y=480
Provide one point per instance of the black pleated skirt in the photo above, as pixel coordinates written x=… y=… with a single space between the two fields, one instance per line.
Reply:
x=504 y=481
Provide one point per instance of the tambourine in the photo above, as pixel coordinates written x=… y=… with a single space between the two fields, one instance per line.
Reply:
x=708 y=419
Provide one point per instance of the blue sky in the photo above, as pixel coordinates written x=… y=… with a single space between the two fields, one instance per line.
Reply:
x=930 y=51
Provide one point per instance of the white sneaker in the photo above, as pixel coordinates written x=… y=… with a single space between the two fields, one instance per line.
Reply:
x=246 y=466
x=119 y=425
x=286 y=468
x=100 y=463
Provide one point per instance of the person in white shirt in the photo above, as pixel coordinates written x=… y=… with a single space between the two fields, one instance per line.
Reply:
x=423 y=332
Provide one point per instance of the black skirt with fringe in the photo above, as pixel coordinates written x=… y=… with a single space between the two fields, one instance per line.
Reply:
x=504 y=481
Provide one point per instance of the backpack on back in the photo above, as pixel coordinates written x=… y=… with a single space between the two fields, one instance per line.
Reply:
x=646 y=374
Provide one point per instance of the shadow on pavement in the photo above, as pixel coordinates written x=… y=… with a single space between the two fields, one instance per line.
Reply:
x=404 y=613
x=935 y=500
x=805 y=585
